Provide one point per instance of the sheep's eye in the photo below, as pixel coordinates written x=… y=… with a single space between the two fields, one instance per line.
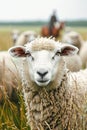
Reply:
x=32 y=58
x=28 y=53
x=53 y=57
x=57 y=53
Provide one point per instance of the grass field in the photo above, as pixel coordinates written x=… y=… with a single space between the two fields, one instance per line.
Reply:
x=5 y=33
x=12 y=118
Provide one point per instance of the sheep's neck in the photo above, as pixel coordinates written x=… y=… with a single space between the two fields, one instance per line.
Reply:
x=51 y=109
x=44 y=105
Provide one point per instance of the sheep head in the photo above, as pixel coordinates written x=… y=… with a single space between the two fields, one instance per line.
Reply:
x=44 y=57
x=15 y=34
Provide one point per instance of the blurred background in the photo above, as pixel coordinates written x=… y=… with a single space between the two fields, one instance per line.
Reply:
x=34 y=14
x=21 y=21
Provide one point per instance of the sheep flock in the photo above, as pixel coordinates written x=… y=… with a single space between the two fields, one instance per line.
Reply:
x=51 y=76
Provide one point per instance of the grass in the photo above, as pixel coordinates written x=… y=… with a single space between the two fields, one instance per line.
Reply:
x=82 y=31
x=5 y=34
x=12 y=116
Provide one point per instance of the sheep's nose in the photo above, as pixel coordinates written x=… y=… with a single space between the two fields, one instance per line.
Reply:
x=42 y=73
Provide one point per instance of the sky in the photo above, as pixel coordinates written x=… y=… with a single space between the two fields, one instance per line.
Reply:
x=23 y=10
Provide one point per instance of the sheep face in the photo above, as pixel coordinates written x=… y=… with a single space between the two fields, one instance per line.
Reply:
x=44 y=65
x=15 y=34
x=43 y=59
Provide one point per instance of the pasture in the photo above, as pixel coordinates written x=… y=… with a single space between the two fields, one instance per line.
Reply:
x=5 y=33
x=12 y=116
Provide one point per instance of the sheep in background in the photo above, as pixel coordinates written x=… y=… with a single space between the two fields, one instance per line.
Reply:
x=7 y=59
x=83 y=54
x=9 y=78
x=55 y=98
x=73 y=63
x=25 y=37
x=8 y=84
x=14 y=35
x=73 y=38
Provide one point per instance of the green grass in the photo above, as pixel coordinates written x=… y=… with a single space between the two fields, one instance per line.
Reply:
x=12 y=116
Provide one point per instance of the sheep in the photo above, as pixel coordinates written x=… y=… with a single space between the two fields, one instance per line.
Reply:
x=9 y=78
x=73 y=38
x=74 y=63
x=25 y=37
x=55 y=98
x=5 y=57
x=83 y=54
x=14 y=35
x=8 y=84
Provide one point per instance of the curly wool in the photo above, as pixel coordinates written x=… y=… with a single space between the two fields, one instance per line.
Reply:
x=62 y=104
x=57 y=107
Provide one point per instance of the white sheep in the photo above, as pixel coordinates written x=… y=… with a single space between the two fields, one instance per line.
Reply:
x=25 y=37
x=73 y=38
x=9 y=78
x=14 y=35
x=83 y=54
x=74 y=63
x=55 y=98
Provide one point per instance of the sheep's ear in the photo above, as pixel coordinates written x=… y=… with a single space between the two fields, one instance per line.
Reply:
x=68 y=50
x=17 y=51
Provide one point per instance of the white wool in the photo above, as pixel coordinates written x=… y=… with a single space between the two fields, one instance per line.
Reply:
x=83 y=54
x=9 y=77
x=25 y=37
x=73 y=38
x=62 y=103
x=73 y=63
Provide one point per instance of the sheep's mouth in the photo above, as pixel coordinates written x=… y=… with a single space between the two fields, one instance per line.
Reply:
x=42 y=81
